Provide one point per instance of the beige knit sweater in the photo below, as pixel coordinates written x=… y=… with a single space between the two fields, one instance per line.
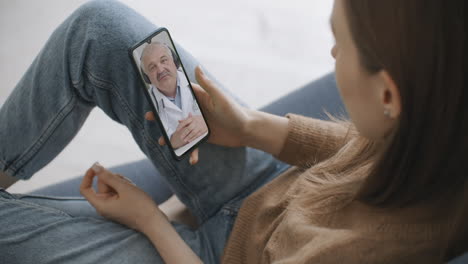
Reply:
x=267 y=231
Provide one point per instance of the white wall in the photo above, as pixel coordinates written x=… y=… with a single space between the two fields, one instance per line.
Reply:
x=260 y=49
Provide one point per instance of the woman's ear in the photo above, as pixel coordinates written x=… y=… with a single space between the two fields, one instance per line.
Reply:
x=389 y=95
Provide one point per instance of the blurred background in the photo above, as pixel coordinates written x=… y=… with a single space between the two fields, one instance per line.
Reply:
x=259 y=49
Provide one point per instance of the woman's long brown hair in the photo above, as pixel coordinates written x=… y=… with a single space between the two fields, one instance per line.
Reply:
x=422 y=45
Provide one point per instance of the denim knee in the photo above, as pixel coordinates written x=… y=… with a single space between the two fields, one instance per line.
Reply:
x=110 y=18
x=100 y=34
x=99 y=12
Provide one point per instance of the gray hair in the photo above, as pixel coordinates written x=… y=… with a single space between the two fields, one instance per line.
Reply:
x=153 y=44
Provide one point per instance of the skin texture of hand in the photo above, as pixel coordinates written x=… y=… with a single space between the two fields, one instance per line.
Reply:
x=188 y=130
x=118 y=199
x=192 y=127
x=226 y=118
x=176 y=139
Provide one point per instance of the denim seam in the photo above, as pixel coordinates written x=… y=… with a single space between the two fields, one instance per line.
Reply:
x=78 y=84
x=177 y=177
x=50 y=197
x=36 y=206
x=18 y=164
x=230 y=207
x=4 y=165
x=111 y=86
x=229 y=211
x=254 y=185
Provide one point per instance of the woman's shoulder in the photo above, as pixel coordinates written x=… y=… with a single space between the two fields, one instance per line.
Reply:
x=357 y=234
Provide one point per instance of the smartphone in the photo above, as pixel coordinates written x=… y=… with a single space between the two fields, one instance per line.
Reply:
x=169 y=92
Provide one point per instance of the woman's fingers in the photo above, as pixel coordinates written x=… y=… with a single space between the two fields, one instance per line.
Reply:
x=86 y=187
x=199 y=91
x=150 y=116
x=125 y=178
x=206 y=83
x=194 y=157
x=101 y=187
x=203 y=97
x=111 y=180
x=106 y=181
x=161 y=141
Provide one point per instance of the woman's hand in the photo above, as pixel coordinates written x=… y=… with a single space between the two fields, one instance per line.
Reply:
x=226 y=119
x=118 y=199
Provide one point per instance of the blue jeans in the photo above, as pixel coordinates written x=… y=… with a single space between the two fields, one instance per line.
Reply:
x=85 y=64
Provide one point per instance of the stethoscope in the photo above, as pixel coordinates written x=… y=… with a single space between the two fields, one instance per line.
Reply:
x=156 y=100
x=194 y=106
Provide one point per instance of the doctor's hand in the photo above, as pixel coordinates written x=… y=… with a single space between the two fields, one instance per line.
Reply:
x=193 y=156
x=191 y=128
x=188 y=130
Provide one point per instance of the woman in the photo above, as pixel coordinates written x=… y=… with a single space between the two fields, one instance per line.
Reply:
x=385 y=188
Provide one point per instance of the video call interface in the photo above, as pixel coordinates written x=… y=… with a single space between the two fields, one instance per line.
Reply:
x=170 y=92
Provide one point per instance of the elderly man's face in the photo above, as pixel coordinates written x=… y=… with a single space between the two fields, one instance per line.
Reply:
x=161 y=70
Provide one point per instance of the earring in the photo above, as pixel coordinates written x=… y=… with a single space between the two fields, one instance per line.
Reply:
x=387 y=112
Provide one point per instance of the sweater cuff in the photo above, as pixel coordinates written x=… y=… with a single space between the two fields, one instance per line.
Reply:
x=295 y=139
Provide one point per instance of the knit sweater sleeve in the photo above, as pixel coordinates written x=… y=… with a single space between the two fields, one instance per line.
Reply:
x=311 y=140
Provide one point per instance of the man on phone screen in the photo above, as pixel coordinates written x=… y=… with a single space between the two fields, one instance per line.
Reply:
x=170 y=92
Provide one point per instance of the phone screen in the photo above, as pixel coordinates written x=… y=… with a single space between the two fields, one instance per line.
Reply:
x=170 y=93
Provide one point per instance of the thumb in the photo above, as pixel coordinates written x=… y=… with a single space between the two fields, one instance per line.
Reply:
x=207 y=84
x=86 y=187
x=203 y=97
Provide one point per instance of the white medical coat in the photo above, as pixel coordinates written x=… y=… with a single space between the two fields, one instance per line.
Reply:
x=170 y=113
